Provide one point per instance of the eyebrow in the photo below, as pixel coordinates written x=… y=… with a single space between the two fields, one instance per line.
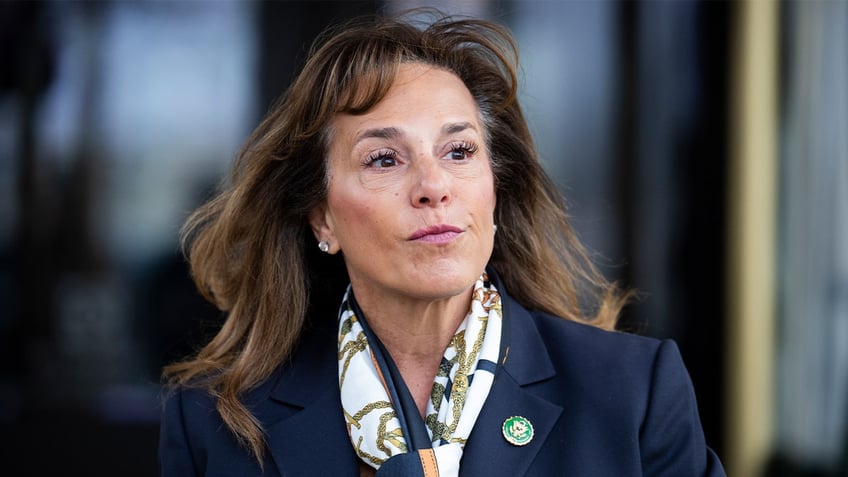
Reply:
x=379 y=133
x=394 y=133
x=454 y=128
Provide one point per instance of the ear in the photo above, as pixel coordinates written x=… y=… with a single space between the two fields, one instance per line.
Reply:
x=322 y=228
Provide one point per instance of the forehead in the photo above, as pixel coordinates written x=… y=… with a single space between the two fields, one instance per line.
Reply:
x=418 y=95
x=412 y=78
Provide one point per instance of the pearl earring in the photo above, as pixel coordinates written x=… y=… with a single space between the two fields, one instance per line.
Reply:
x=495 y=226
x=323 y=246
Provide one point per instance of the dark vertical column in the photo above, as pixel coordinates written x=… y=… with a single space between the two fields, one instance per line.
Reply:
x=700 y=257
x=27 y=68
x=626 y=145
x=686 y=124
x=287 y=30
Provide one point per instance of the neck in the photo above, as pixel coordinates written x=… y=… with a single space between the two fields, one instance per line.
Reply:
x=416 y=334
x=415 y=328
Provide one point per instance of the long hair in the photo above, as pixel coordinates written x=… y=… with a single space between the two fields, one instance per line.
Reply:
x=251 y=249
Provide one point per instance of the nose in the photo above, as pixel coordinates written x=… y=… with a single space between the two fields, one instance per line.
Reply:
x=431 y=186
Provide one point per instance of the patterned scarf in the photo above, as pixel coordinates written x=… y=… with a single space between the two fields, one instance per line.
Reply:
x=375 y=421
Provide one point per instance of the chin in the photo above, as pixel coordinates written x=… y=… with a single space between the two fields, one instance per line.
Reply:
x=444 y=283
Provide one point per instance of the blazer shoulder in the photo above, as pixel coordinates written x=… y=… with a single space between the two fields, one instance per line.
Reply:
x=612 y=370
x=607 y=348
x=193 y=439
x=638 y=386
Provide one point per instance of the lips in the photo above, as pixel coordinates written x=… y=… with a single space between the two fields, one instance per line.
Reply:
x=436 y=233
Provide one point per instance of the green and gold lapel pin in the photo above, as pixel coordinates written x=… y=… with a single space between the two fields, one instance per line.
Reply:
x=518 y=430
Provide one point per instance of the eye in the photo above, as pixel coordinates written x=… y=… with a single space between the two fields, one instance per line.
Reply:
x=382 y=159
x=461 y=151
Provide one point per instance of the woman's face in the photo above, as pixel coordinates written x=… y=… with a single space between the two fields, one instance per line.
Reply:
x=411 y=194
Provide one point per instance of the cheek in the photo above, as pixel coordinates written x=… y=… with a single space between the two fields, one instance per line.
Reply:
x=488 y=198
x=352 y=213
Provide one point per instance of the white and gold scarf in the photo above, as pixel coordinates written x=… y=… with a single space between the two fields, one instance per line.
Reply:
x=459 y=389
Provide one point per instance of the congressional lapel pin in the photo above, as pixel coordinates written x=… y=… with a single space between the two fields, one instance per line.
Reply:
x=518 y=430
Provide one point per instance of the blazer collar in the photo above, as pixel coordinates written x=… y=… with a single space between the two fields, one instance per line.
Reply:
x=526 y=358
x=306 y=429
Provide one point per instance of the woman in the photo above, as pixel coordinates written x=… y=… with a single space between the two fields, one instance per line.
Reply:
x=472 y=337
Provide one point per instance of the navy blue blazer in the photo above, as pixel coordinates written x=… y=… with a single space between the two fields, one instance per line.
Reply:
x=602 y=404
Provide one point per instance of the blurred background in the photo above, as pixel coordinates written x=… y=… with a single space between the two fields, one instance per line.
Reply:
x=702 y=147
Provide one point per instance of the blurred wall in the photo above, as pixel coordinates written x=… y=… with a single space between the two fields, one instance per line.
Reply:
x=812 y=358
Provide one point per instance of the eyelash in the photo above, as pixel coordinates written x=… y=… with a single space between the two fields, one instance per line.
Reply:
x=378 y=156
x=468 y=148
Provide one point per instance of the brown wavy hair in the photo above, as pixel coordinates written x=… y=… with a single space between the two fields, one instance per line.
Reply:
x=251 y=249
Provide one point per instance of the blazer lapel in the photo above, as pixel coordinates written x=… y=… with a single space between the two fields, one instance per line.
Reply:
x=526 y=362
x=303 y=419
